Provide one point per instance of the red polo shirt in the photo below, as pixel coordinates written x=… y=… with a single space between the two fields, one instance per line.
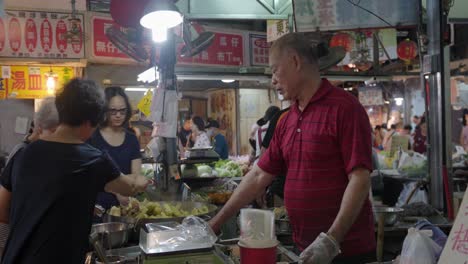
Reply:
x=317 y=149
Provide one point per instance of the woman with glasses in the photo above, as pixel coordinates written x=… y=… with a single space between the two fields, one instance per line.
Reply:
x=114 y=137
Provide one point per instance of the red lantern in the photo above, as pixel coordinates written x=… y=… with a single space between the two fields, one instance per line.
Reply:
x=342 y=40
x=127 y=13
x=407 y=50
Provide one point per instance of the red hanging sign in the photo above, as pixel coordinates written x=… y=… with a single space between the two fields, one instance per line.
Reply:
x=342 y=40
x=61 y=36
x=14 y=32
x=407 y=50
x=46 y=35
x=30 y=35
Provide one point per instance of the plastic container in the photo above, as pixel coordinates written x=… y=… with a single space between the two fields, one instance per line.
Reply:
x=257 y=224
x=258 y=255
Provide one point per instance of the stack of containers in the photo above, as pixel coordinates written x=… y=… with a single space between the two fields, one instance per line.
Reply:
x=258 y=240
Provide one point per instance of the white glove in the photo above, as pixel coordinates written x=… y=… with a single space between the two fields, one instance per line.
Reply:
x=322 y=251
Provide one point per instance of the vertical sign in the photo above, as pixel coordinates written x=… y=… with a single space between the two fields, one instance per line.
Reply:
x=456 y=247
x=259 y=50
x=276 y=29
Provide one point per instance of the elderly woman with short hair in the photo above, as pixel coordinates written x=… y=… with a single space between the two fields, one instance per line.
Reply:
x=46 y=121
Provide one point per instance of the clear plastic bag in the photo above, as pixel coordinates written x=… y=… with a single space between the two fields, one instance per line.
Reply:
x=193 y=233
x=419 y=195
x=419 y=248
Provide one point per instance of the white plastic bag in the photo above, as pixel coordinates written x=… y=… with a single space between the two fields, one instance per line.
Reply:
x=164 y=110
x=419 y=195
x=418 y=248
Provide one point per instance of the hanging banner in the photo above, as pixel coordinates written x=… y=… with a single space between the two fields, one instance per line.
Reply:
x=276 y=29
x=259 y=50
x=28 y=82
x=33 y=34
x=324 y=15
x=227 y=48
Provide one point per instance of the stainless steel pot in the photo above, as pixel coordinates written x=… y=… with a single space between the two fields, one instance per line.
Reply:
x=112 y=259
x=111 y=235
x=136 y=224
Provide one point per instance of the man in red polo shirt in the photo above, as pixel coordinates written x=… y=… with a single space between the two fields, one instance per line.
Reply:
x=323 y=146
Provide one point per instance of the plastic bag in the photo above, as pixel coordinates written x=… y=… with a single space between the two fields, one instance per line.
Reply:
x=418 y=248
x=193 y=233
x=419 y=195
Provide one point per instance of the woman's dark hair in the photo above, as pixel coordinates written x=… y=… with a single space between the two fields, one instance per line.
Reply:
x=198 y=121
x=80 y=101
x=465 y=112
x=111 y=92
x=377 y=127
x=393 y=126
x=408 y=127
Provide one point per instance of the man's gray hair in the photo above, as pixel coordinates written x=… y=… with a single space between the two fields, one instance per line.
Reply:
x=46 y=116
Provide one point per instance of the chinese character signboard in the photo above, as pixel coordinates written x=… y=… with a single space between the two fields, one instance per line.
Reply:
x=276 y=29
x=311 y=15
x=227 y=49
x=456 y=248
x=259 y=50
x=26 y=82
x=32 y=34
x=102 y=48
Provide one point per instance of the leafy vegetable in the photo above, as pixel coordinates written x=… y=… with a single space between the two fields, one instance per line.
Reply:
x=148 y=209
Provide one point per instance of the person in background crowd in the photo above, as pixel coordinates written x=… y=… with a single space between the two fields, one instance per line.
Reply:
x=58 y=177
x=184 y=132
x=252 y=138
x=420 y=137
x=199 y=135
x=261 y=131
x=464 y=132
x=277 y=186
x=378 y=138
x=46 y=121
x=323 y=145
x=114 y=138
x=406 y=132
x=387 y=141
x=416 y=120
x=384 y=127
x=219 y=141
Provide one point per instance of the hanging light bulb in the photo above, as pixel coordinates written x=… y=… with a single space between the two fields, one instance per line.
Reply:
x=159 y=34
x=50 y=83
x=159 y=16
x=399 y=101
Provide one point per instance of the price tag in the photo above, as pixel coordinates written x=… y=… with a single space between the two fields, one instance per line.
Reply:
x=145 y=103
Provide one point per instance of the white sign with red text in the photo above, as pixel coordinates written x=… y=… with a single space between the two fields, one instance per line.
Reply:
x=259 y=50
x=34 y=34
x=456 y=247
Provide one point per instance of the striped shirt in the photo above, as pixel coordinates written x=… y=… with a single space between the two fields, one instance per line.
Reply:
x=317 y=149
